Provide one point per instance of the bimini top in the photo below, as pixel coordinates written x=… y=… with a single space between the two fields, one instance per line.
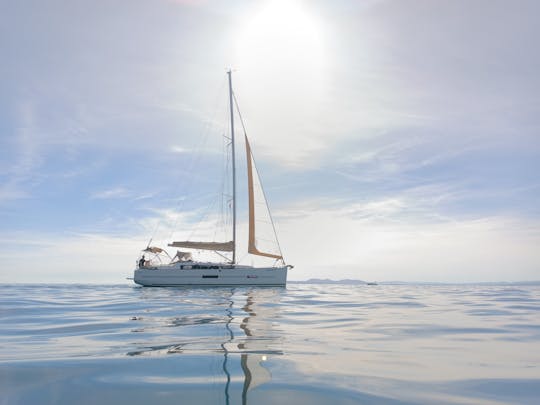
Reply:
x=153 y=249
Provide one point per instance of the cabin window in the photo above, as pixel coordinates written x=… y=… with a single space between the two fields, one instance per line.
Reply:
x=210 y=276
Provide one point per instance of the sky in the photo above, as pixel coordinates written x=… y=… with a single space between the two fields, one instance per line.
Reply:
x=396 y=140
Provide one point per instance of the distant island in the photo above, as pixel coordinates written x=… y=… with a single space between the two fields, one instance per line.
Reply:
x=362 y=282
x=327 y=281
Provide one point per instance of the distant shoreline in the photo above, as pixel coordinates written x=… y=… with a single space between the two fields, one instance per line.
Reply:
x=313 y=281
x=362 y=282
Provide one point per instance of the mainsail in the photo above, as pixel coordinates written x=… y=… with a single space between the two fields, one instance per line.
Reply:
x=219 y=246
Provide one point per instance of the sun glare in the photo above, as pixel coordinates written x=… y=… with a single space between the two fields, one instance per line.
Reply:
x=283 y=35
x=281 y=54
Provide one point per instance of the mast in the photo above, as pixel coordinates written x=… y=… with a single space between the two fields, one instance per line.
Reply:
x=229 y=73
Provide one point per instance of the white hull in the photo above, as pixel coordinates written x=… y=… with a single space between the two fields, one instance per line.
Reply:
x=169 y=276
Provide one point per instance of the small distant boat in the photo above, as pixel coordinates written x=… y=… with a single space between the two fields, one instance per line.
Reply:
x=372 y=283
x=182 y=270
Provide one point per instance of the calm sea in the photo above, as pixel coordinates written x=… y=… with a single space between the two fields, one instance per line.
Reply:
x=304 y=344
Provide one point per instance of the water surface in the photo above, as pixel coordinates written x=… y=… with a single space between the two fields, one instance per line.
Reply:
x=315 y=344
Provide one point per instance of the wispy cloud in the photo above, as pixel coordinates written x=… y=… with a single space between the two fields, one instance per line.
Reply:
x=53 y=258
x=117 y=193
x=10 y=192
x=371 y=247
x=375 y=151
x=180 y=149
x=144 y=196
x=112 y=193
x=25 y=156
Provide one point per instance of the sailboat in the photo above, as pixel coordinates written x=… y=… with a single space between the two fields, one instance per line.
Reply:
x=182 y=270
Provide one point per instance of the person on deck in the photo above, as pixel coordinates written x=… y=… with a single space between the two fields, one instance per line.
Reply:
x=142 y=261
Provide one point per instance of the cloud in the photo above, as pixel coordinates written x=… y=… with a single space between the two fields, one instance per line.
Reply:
x=24 y=156
x=180 y=149
x=105 y=254
x=78 y=258
x=419 y=123
x=10 y=192
x=377 y=246
x=377 y=240
x=112 y=193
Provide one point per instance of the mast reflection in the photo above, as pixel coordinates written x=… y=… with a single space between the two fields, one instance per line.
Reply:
x=255 y=346
x=197 y=331
x=224 y=347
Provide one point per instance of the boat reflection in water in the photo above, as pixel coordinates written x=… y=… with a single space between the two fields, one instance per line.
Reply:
x=253 y=351
x=247 y=342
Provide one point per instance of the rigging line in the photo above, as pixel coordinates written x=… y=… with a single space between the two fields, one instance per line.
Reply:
x=221 y=220
x=196 y=157
x=215 y=202
x=259 y=177
x=206 y=214
x=221 y=192
x=226 y=198
x=211 y=207
x=195 y=160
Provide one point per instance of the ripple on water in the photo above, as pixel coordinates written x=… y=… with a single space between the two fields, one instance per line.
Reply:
x=307 y=344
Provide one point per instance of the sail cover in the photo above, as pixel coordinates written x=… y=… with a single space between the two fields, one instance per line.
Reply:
x=252 y=240
x=220 y=246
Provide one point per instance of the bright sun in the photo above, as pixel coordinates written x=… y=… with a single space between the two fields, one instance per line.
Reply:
x=282 y=36
x=281 y=60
